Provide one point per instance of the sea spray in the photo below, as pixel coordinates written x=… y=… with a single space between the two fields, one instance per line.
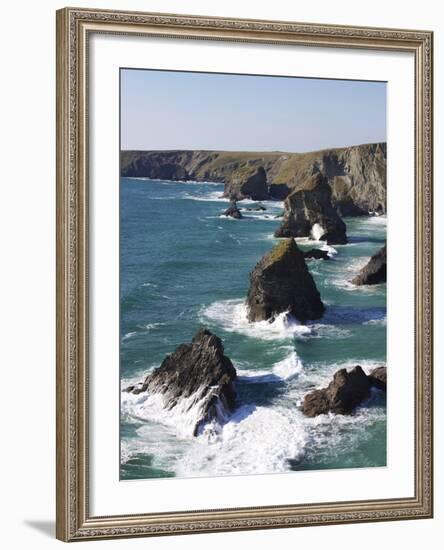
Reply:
x=231 y=315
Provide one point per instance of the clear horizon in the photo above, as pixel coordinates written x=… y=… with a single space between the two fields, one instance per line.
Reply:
x=167 y=110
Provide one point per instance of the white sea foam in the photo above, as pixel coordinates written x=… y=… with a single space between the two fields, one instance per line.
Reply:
x=344 y=277
x=231 y=315
x=214 y=196
x=286 y=369
x=184 y=417
x=378 y=220
x=378 y=322
x=256 y=440
x=289 y=367
x=261 y=217
x=193 y=182
x=331 y=252
x=317 y=231
x=128 y=335
x=323 y=373
x=151 y=326
x=329 y=332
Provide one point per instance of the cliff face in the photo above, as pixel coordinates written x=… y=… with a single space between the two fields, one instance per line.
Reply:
x=356 y=175
x=247 y=183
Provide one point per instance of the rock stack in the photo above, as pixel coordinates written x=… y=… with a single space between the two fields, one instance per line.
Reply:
x=346 y=391
x=196 y=375
x=309 y=213
x=280 y=282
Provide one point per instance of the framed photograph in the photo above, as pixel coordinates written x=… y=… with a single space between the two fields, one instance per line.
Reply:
x=244 y=274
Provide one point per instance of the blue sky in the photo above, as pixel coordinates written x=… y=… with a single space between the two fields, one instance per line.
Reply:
x=180 y=110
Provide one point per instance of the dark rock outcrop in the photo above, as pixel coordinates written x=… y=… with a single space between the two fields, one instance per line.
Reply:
x=197 y=374
x=316 y=254
x=309 y=213
x=279 y=191
x=248 y=182
x=378 y=378
x=281 y=282
x=345 y=392
x=375 y=271
x=258 y=208
x=233 y=211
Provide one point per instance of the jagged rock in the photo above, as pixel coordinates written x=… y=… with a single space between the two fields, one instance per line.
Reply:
x=316 y=254
x=196 y=375
x=281 y=282
x=346 y=391
x=378 y=378
x=248 y=182
x=233 y=211
x=309 y=213
x=375 y=271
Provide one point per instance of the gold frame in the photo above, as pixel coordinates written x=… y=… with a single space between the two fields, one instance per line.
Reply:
x=73 y=28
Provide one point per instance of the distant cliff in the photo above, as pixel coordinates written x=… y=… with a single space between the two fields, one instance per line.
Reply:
x=356 y=175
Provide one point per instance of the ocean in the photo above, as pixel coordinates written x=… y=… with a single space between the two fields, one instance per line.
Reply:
x=184 y=266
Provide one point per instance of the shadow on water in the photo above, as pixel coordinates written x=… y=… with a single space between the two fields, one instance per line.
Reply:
x=355 y=239
x=342 y=315
x=261 y=389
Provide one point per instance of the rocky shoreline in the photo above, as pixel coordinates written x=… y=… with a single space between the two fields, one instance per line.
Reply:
x=356 y=175
x=198 y=375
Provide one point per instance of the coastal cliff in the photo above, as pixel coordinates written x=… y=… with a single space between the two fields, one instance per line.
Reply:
x=356 y=175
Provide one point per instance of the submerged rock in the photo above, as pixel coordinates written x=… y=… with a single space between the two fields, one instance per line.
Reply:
x=309 y=213
x=233 y=211
x=375 y=271
x=316 y=254
x=258 y=208
x=247 y=182
x=346 y=391
x=281 y=282
x=195 y=376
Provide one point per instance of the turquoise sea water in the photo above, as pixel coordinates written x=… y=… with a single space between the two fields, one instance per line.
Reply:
x=183 y=266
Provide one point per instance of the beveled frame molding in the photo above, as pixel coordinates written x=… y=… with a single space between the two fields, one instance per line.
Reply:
x=73 y=519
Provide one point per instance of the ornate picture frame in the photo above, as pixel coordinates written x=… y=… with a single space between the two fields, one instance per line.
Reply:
x=74 y=28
